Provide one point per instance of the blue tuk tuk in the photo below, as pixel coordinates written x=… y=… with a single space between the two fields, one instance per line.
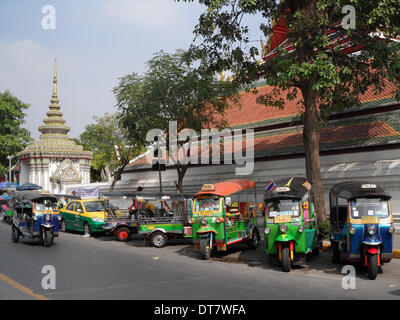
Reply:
x=361 y=225
x=35 y=215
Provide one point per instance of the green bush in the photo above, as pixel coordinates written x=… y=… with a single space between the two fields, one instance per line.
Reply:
x=324 y=228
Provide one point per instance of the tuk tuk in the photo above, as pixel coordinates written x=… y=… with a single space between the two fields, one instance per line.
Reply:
x=219 y=221
x=157 y=216
x=5 y=208
x=361 y=225
x=290 y=224
x=35 y=215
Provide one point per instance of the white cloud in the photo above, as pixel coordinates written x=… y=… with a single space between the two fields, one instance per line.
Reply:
x=149 y=14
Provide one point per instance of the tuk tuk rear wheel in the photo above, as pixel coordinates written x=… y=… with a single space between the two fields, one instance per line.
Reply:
x=122 y=234
x=205 y=249
x=158 y=239
x=335 y=254
x=14 y=235
x=47 y=239
x=372 y=266
x=285 y=260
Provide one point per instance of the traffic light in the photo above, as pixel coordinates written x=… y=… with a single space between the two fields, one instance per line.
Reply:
x=157 y=163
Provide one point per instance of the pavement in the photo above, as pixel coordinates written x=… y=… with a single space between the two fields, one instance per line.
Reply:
x=98 y=268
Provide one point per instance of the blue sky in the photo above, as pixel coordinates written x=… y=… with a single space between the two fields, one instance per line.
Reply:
x=95 y=42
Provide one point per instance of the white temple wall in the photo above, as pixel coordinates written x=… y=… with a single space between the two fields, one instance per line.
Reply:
x=24 y=172
x=382 y=167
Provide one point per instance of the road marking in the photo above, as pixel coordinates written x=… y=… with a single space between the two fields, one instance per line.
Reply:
x=21 y=288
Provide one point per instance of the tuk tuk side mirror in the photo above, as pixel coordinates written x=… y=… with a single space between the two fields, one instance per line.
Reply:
x=228 y=201
x=261 y=206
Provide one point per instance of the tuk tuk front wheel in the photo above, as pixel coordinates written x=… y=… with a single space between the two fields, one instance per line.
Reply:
x=205 y=248
x=47 y=239
x=253 y=242
x=158 y=239
x=285 y=260
x=372 y=266
x=14 y=235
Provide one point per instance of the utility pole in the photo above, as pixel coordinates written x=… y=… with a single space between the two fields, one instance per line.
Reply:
x=9 y=172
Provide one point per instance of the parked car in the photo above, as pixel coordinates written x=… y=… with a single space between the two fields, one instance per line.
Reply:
x=86 y=215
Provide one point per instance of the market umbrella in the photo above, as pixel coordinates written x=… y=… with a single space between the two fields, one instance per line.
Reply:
x=28 y=186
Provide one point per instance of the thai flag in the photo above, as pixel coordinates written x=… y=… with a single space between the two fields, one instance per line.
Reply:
x=270 y=186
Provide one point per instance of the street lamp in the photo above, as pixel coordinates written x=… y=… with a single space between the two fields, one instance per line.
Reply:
x=9 y=177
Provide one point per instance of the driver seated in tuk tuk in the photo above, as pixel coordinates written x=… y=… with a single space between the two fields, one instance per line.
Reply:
x=149 y=209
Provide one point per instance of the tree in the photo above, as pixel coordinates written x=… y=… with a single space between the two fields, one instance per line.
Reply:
x=170 y=90
x=112 y=151
x=324 y=77
x=13 y=138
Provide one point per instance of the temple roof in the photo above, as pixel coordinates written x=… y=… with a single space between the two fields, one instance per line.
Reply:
x=366 y=125
x=54 y=141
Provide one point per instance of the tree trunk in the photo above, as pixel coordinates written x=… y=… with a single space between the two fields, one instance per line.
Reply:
x=117 y=176
x=311 y=146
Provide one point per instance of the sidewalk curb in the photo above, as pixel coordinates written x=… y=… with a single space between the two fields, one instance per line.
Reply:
x=327 y=247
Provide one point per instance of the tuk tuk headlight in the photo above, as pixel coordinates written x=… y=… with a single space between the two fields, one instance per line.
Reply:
x=48 y=217
x=301 y=229
x=371 y=230
x=351 y=229
x=204 y=221
x=283 y=228
x=34 y=218
x=59 y=218
x=391 y=229
x=267 y=231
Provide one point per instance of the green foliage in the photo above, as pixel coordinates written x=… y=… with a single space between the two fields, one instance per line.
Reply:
x=324 y=228
x=170 y=90
x=107 y=140
x=337 y=80
x=13 y=138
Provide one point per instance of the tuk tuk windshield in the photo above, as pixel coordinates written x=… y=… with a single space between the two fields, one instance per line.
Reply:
x=364 y=207
x=283 y=207
x=45 y=206
x=207 y=205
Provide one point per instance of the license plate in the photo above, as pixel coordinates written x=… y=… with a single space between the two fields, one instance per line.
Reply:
x=370 y=220
x=282 y=219
x=188 y=231
x=206 y=213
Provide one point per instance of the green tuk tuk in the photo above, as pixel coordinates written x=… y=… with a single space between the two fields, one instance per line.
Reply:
x=157 y=216
x=290 y=223
x=218 y=221
x=5 y=208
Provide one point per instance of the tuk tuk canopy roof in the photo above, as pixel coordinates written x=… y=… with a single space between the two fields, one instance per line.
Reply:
x=226 y=188
x=358 y=189
x=293 y=187
x=33 y=196
x=148 y=195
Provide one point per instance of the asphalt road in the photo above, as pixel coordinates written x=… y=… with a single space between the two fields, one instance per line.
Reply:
x=101 y=268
